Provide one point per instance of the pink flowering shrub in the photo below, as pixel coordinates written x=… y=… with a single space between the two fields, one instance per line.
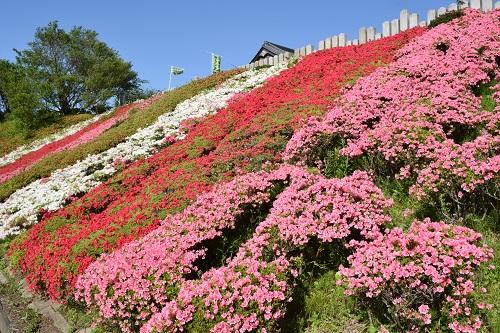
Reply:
x=154 y=275
x=131 y=283
x=251 y=292
x=421 y=276
x=424 y=114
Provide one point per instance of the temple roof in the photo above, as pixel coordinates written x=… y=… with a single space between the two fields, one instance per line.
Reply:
x=269 y=49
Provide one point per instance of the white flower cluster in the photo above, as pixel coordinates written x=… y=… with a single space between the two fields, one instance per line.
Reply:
x=37 y=144
x=21 y=208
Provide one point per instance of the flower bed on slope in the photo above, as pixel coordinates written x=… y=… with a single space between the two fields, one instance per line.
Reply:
x=432 y=116
x=84 y=135
x=136 y=120
x=51 y=193
x=37 y=144
x=251 y=130
x=170 y=280
x=136 y=282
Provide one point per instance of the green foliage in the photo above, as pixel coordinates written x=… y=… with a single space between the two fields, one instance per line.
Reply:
x=489 y=276
x=318 y=263
x=445 y=18
x=12 y=137
x=134 y=94
x=328 y=310
x=71 y=72
x=32 y=320
x=6 y=76
x=11 y=296
x=4 y=103
x=79 y=317
x=20 y=98
x=485 y=91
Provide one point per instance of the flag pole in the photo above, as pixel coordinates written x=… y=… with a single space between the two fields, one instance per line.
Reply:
x=170 y=80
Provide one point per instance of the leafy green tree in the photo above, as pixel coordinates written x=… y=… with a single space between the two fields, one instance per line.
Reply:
x=135 y=94
x=20 y=98
x=73 y=71
x=4 y=106
x=5 y=73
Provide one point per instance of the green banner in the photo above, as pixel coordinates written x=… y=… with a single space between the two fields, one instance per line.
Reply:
x=176 y=70
x=216 y=59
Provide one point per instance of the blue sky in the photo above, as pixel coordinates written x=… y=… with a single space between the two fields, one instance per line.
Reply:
x=156 y=34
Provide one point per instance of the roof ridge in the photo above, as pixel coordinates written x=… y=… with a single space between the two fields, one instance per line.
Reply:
x=271 y=48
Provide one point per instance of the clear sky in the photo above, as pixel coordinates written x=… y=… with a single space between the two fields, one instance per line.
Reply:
x=156 y=34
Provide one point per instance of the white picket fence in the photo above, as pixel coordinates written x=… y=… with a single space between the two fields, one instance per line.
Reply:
x=405 y=21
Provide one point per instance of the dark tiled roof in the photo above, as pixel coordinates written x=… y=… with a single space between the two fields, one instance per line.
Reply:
x=269 y=49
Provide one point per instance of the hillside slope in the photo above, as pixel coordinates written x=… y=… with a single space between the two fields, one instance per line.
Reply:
x=243 y=136
x=358 y=190
x=15 y=143
x=95 y=141
x=230 y=262
x=53 y=192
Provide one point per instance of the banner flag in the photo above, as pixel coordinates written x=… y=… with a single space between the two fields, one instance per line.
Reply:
x=176 y=70
x=216 y=60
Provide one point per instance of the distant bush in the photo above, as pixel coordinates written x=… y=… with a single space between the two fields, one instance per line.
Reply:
x=445 y=18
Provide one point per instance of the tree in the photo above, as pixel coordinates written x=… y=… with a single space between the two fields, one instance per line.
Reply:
x=19 y=97
x=135 y=94
x=73 y=71
x=4 y=106
x=5 y=75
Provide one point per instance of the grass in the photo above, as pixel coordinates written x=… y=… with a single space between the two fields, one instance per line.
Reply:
x=114 y=135
x=11 y=137
x=28 y=320
x=489 y=278
x=328 y=310
x=20 y=313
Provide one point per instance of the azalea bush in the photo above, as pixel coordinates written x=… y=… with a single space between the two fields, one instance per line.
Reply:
x=430 y=117
x=147 y=275
x=51 y=193
x=420 y=278
x=251 y=130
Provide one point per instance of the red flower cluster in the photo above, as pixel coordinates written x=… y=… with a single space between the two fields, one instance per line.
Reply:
x=253 y=129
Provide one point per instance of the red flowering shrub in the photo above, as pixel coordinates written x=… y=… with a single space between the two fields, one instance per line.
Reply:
x=431 y=116
x=137 y=281
x=251 y=130
x=421 y=276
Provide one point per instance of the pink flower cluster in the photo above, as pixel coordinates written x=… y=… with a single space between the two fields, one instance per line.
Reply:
x=142 y=271
x=421 y=113
x=149 y=277
x=429 y=267
x=251 y=291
